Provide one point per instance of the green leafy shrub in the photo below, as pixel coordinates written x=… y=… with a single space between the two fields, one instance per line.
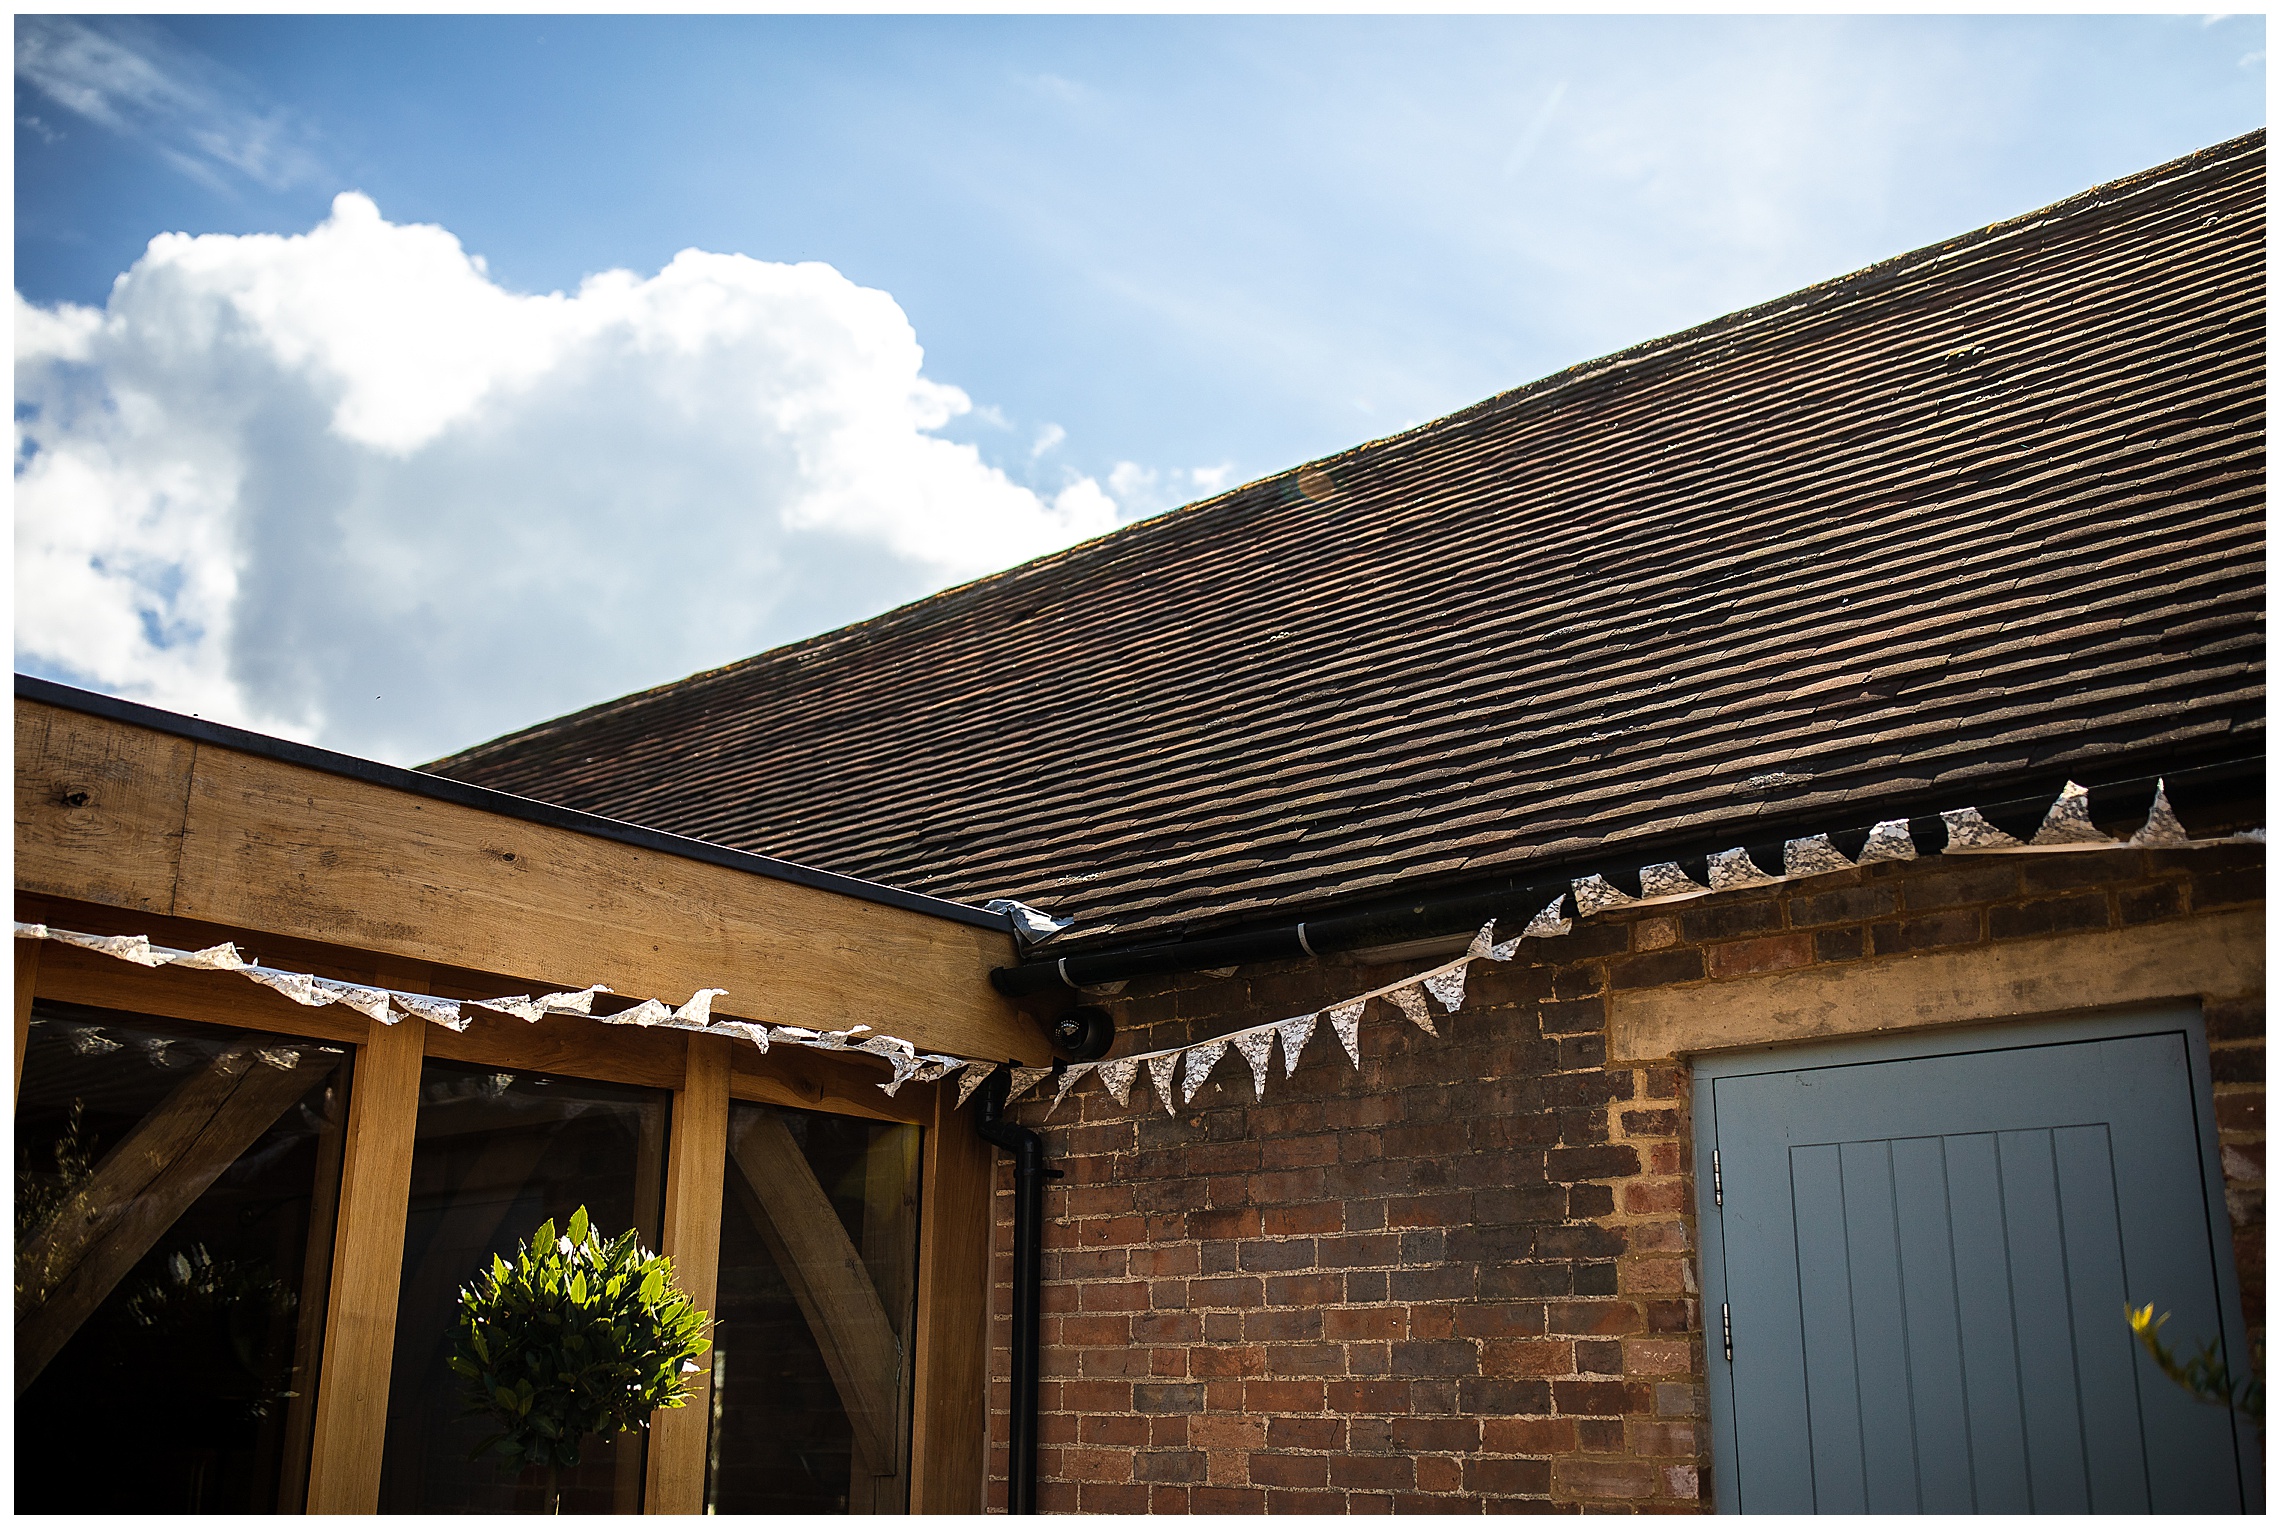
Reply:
x=577 y=1336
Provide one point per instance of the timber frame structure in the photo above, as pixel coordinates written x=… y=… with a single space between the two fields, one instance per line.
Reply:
x=134 y=821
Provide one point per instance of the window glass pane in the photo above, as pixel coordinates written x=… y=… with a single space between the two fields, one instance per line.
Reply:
x=818 y=1295
x=496 y=1154
x=175 y=1188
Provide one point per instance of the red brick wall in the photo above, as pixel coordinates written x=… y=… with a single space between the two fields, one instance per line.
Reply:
x=1462 y=1278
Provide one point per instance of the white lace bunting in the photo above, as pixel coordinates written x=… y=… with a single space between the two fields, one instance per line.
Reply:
x=2068 y=821
x=1662 y=882
x=1412 y=1003
x=1732 y=868
x=1549 y=924
x=1346 y=1020
x=1117 y=1077
x=1813 y=856
x=1296 y=1031
x=1888 y=840
x=2161 y=830
x=1595 y=894
x=1025 y=1079
x=1969 y=833
x=1069 y=1077
x=1449 y=987
x=1257 y=1048
x=1160 y=1070
x=1200 y=1060
x=972 y=1076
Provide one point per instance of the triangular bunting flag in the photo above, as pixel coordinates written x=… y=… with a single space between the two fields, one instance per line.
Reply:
x=371 y=1002
x=756 y=1034
x=2162 y=830
x=1449 y=987
x=696 y=1013
x=1596 y=892
x=1346 y=1020
x=298 y=986
x=1731 y=868
x=1667 y=880
x=1296 y=1031
x=436 y=1011
x=127 y=947
x=649 y=1011
x=2068 y=821
x=1025 y=1079
x=1484 y=946
x=1117 y=1077
x=1888 y=840
x=1160 y=1073
x=1549 y=924
x=1200 y=1060
x=582 y=1001
x=1258 y=1049
x=1813 y=857
x=1412 y=1003
x=1968 y=833
x=214 y=958
x=972 y=1076
x=1069 y=1077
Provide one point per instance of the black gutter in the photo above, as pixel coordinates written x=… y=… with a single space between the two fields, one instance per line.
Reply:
x=1029 y=1175
x=1511 y=901
x=440 y=789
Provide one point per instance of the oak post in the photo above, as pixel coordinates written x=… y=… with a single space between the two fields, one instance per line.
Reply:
x=694 y=1178
x=368 y=1267
x=948 y=1422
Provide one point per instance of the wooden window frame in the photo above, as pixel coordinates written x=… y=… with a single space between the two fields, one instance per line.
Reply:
x=705 y=1073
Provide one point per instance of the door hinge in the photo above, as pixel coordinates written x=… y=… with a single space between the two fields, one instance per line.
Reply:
x=1726 y=1324
x=1717 y=1182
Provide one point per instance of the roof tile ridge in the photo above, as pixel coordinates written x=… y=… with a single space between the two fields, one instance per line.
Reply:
x=1803 y=300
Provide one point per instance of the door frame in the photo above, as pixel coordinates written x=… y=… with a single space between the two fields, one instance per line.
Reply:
x=2179 y=1016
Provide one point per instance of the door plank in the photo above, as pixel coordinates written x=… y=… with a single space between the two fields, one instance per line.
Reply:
x=1935 y=1341
x=2104 y=1350
x=1879 y=1328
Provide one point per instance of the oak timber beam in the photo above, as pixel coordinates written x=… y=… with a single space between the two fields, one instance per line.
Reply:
x=111 y=813
x=141 y=1189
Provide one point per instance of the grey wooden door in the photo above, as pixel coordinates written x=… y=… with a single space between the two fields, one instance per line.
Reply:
x=1923 y=1251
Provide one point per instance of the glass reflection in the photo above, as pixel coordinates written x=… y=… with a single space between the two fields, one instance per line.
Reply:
x=818 y=1295
x=497 y=1153
x=175 y=1190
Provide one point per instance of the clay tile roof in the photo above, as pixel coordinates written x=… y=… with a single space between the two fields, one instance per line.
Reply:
x=1988 y=508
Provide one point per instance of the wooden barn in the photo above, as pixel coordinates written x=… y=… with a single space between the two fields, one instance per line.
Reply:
x=1689 y=937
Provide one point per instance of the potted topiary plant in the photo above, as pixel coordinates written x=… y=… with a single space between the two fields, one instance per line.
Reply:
x=578 y=1336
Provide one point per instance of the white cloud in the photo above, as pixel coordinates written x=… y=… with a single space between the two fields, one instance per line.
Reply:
x=1047 y=438
x=134 y=79
x=1141 y=491
x=341 y=485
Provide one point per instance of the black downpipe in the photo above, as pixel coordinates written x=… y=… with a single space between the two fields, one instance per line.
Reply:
x=1029 y=1176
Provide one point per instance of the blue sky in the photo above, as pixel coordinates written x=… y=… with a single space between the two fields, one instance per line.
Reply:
x=1151 y=257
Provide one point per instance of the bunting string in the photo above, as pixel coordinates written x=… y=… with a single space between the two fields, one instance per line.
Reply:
x=1177 y=1073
